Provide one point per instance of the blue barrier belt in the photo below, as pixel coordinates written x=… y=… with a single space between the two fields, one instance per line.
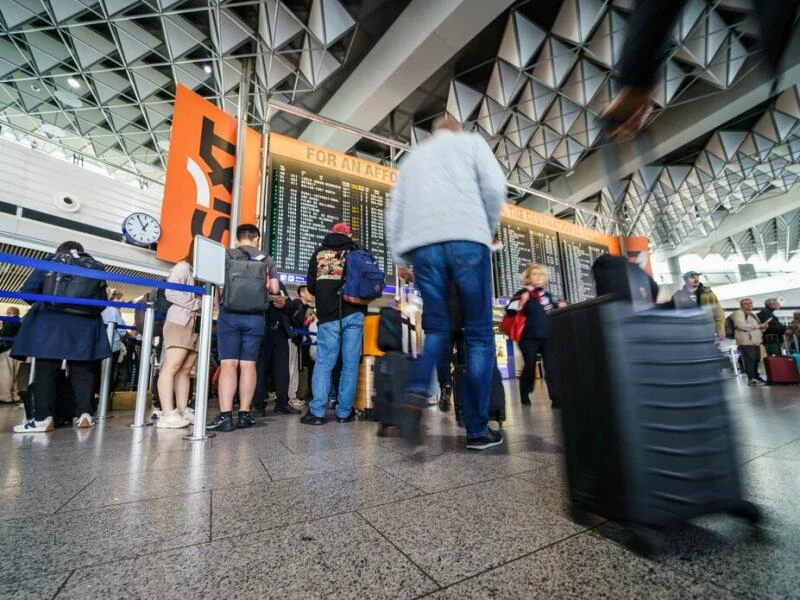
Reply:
x=46 y=265
x=11 y=319
x=63 y=300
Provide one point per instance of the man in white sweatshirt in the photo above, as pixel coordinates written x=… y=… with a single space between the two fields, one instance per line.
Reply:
x=441 y=219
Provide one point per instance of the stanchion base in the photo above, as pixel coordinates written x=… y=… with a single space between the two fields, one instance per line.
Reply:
x=191 y=438
x=142 y=425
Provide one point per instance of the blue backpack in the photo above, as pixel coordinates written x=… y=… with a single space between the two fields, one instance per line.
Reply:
x=363 y=278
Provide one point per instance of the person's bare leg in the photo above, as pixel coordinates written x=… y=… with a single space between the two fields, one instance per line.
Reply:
x=247 y=384
x=183 y=381
x=173 y=359
x=228 y=380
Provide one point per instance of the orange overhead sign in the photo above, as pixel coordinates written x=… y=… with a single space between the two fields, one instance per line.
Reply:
x=287 y=147
x=198 y=192
x=537 y=219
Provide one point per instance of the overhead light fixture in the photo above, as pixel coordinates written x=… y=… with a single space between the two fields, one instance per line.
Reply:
x=73 y=83
x=207 y=69
x=35 y=87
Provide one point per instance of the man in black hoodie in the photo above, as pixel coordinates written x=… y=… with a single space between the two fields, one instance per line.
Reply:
x=341 y=326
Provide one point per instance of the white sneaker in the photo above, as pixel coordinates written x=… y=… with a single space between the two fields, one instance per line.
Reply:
x=85 y=421
x=35 y=426
x=188 y=414
x=172 y=420
x=756 y=382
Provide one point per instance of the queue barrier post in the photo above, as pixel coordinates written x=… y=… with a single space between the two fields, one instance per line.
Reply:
x=203 y=361
x=105 y=376
x=29 y=392
x=144 y=367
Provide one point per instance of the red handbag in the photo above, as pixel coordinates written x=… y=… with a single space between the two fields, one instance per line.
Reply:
x=513 y=325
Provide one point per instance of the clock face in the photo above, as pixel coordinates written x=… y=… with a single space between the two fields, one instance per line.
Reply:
x=141 y=228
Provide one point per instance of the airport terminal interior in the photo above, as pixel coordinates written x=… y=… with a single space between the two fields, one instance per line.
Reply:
x=139 y=129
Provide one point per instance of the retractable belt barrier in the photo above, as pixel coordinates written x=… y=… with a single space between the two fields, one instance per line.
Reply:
x=147 y=333
x=46 y=265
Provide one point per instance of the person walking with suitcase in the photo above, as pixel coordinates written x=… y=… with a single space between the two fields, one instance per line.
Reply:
x=441 y=219
x=537 y=304
x=749 y=333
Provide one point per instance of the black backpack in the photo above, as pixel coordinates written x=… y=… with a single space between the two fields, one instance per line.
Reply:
x=730 y=328
x=75 y=286
x=246 y=278
x=162 y=304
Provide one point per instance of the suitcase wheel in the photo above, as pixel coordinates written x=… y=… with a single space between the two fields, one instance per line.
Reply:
x=645 y=541
x=748 y=511
x=578 y=514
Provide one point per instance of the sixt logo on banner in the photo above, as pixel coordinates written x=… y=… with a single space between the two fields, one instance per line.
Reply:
x=199 y=184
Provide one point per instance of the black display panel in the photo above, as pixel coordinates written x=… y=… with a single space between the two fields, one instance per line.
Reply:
x=524 y=244
x=577 y=258
x=305 y=202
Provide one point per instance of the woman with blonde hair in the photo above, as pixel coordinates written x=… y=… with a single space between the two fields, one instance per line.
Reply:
x=537 y=304
x=180 y=348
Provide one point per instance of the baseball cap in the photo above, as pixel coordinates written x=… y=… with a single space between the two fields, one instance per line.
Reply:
x=341 y=228
x=691 y=274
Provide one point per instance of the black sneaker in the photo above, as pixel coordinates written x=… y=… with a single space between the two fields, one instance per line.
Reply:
x=444 y=398
x=221 y=423
x=287 y=410
x=246 y=420
x=311 y=419
x=348 y=418
x=492 y=438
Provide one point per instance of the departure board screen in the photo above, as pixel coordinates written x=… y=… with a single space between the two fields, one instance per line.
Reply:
x=524 y=244
x=306 y=200
x=577 y=258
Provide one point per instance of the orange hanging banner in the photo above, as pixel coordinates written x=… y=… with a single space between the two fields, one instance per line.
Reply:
x=199 y=185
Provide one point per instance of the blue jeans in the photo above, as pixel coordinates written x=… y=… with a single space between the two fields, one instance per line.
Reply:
x=468 y=266
x=352 y=332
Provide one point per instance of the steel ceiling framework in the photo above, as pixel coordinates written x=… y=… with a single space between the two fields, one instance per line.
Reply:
x=537 y=106
x=96 y=78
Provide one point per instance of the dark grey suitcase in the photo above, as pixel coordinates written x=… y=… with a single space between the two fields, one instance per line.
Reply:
x=390 y=376
x=647 y=433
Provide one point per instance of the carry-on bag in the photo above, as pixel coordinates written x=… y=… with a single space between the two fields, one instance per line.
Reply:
x=647 y=433
x=497 y=396
x=391 y=371
x=781 y=370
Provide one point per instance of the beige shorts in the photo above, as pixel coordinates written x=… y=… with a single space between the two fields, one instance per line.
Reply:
x=180 y=336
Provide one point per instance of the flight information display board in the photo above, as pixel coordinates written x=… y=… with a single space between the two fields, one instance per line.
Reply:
x=307 y=198
x=566 y=249
x=524 y=244
x=577 y=258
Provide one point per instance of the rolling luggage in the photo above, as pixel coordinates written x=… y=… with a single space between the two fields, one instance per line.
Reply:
x=781 y=370
x=391 y=371
x=647 y=433
x=497 y=398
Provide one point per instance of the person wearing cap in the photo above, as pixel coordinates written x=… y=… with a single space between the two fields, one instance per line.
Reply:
x=694 y=294
x=340 y=326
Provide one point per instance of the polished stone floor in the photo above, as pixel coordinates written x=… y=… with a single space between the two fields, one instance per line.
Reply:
x=292 y=511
